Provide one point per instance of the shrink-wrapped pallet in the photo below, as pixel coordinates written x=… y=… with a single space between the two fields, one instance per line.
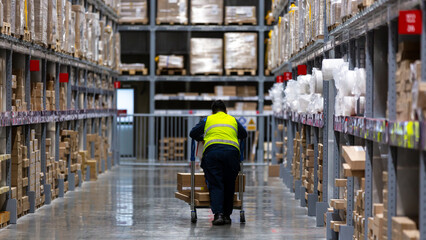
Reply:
x=40 y=21
x=60 y=10
x=30 y=19
x=335 y=12
x=170 y=61
x=172 y=11
x=52 y=22
x=240 y=14
x=97 y=34
x=89 y=35
x=19 y=17
x=101 y=42
x=9 y=10
x=80 y=23
x=240 y=51
x=206 y=11
x=133 y=11
x=206 y=55
x=294 y=29
x=69 y=29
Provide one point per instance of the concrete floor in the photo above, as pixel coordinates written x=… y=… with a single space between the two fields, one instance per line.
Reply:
x=138 y=203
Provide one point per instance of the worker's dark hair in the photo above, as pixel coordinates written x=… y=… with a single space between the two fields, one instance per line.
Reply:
x=218 y=106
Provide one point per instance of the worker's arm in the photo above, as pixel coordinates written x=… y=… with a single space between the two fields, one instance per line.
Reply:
x=197 y=132
x=242 y=133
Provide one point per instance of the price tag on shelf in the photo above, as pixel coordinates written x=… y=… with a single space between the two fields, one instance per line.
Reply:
x=410 y=22
x=63 y=78
x=34 y=65
x=117 y=85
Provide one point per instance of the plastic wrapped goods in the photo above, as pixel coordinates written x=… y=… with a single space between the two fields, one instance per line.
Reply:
x=335 y=12
x=9 y=11
x=69 y=29
x=206 y=11
x=206 y=55
x=170 y=61
x=30 y=21
x=240 y=14
x=316 y=103
x=19 y=17
x=329 y=66
x=172 y=11
x=52 y=22
x=61 y=32
x=134 y=11
x=40 y=21
x=277 y=97
x=240 y=50
x=80 y=23
x=359 y=88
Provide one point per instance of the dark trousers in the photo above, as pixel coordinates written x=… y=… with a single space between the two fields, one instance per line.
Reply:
x=221 y=167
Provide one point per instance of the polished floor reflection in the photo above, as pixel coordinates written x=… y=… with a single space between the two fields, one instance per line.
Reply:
x=138 y=203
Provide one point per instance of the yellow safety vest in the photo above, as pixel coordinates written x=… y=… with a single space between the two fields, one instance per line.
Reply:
x=221 y=128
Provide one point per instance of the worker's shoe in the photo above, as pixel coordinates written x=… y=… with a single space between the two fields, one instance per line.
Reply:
x=228 y=219
x=219 y=219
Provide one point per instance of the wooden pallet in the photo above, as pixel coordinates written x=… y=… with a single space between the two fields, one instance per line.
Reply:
x=43 y=44
x=27 y=36
x=330 y=28
x=208 y=74
x=159 y=22
x=217 y=24
x=319 y=37
x=134 y=21
x=6 y=29
x=240 y=72
x=171 y=71
x=129 y=71
x=346 y=18
x=240 y=23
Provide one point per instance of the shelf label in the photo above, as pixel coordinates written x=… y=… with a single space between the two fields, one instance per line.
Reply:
x=302 y=70
x=34 y=65
x=287 y=76
x=410 y=22
x=280 y=79
x=117 y=85
x=63 y=78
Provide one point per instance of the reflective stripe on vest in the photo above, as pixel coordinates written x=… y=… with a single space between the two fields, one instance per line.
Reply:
x=219 y=125
x=221 y=128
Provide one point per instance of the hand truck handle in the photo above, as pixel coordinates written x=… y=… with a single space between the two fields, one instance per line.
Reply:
x=193 y=150
x=242 y=145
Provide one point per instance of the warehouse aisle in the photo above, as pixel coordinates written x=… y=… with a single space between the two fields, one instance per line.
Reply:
x=139 y=203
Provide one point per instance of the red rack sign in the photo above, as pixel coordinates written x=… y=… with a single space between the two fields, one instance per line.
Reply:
x=34 y=65
x=280 y=79
x=287 y=76
x=63 y=77
x=410 y=22
x=302 y=70
x=117 y=85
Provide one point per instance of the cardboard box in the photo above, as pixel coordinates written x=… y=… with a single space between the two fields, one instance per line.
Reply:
x=354 y=156
x=184 y=182
x=134 y=11
x=225 y=91
x=206 y=56
x=172 y=12
x=240 y=51
x=240 y=14
x=206 y=11
x=274 y=170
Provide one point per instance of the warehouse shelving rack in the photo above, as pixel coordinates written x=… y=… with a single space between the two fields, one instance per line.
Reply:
x=152 y=78
x=354 y=41
x=21 y=53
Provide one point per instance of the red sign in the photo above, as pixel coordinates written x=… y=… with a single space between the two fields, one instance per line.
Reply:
x=34 y=65
x=410 y=22
x=302 y=70
x=117 y=85
x=63 y=78
x=121 y=112
x=279 y=79
x=287 y=76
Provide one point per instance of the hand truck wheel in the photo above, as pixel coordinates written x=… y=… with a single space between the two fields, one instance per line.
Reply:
x=193 y=216
x=242 y=217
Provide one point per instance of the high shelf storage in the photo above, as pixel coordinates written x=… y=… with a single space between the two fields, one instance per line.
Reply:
x=53 y=103
x=158 y=34
x=389 y=194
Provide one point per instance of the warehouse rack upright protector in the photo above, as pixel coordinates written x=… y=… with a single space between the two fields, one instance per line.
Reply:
x=359 y=40
x=75 y=108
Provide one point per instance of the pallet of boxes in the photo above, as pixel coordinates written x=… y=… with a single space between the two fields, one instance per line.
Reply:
x=170 y=65
x=299 y=143
x=133 y=12
x=172 y=12
x=308 y=172
x=207 y=12
x=69 y=141
x=320 y=171
x=240 y=15
x=206 y=56
x=202 y=196
x=274 y=170
x=240 y=53
x=4 y=215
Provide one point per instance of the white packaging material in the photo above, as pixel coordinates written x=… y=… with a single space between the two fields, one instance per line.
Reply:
x=329 y=66
x=316 y=104
x=349 y=106
x=303 y=103
x=347 y=83
x=361 y=80
x=291 y=94
x=316 y=81
x=303 y=82
x=277 y=97
x=360 y=106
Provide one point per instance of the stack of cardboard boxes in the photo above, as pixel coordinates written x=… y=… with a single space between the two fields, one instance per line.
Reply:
x=35 y=169
x=206 y=56
x=299 y=143
x=339 y=205
x=20 y=164
x=18 y=91
x=172 y=12
x=404 y=228
x=69 y=146
x=407 y=54
x=359 y=212
x=37 y=96
x=308 y=173
x=132 y=11
x=50 y=93
x=320 y=171
x=172 y=148
x=376 y=223
x=240 y=15
x=202 y=196
x=240 y=53
x=51 y=166
x=206 y=11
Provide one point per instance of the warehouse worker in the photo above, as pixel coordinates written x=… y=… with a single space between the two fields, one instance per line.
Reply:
x=220 y=133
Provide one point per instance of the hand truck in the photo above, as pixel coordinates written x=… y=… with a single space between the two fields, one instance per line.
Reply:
x=241 y=185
